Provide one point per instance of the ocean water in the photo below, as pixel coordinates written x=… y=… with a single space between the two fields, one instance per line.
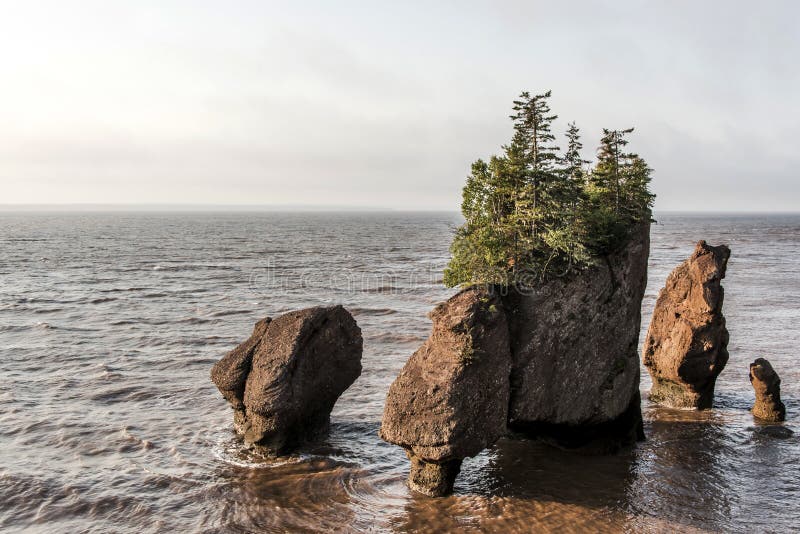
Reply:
x=110 y=322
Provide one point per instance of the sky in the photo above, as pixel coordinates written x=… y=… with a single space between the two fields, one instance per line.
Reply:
x=385 y=104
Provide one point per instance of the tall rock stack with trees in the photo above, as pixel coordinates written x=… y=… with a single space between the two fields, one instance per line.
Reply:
x=569 y=243
x=565 y=245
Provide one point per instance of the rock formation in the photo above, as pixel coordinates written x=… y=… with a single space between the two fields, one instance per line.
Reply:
x=686 y=345
x=450 y=401
x=574 y=344
x=284 y=380
x=230 y=373
x=767 y=385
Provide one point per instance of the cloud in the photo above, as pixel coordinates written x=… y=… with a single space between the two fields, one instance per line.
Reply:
x=385 y=104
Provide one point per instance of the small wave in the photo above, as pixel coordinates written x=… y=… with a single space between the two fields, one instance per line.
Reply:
x=102 y=300
x=133 y=443
x=58 y=500
x=122 y=322
x=194 y=320
x=105 y=373
x=33 y=300
x=20 y=490
x=224 y=313
x=392 y=337
x=191 y=291
x=372 y=311
x=123 y=289
x=233 y=452
x=193 y=267
x=14 y=328
x=381 y=289
x=123 y=394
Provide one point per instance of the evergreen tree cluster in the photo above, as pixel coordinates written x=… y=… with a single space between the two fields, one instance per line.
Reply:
x=536 y=212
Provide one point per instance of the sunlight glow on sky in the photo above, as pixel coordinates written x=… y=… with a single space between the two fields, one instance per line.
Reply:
x=385 y=104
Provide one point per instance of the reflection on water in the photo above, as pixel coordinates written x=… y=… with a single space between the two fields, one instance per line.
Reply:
x=109 y=324
x=682 y=473
x=313 y=494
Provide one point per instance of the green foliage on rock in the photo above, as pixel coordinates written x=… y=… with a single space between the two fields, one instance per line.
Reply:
x=533 y=213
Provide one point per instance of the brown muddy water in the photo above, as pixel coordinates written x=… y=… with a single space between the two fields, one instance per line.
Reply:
x=110 y=322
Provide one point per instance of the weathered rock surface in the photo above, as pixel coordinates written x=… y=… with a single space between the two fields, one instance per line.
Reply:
x=285 y=379
x=767 y=385
x=574 y=344
x=686 y=344
x=450 y=401
x=230 y=373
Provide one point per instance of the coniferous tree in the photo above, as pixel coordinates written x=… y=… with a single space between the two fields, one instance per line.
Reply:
x=532 y=124
x=516 y=178
x=573 y=162
x=481 y=246
x=566 y=235
x=610 y=162
x=637 y=200
x=532 y=211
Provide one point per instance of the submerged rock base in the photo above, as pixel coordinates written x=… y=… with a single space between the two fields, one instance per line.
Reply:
x=676 y=395
x=601 y=438
x=433 y=479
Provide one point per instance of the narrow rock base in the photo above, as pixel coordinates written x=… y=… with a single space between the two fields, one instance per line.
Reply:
x=432 y=479
x=601 y=438
x=673 y=395
x=257 y=435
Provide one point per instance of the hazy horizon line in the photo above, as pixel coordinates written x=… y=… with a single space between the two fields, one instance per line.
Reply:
x=189 y=207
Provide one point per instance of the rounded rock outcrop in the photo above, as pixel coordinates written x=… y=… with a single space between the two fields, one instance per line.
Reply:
x=767 y=386
x=285 y=379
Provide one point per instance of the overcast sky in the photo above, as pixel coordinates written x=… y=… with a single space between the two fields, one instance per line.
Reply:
x=385 y=104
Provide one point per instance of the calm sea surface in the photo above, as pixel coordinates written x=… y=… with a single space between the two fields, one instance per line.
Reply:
x=110 y=322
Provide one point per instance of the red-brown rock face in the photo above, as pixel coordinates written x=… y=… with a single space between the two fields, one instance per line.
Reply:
x=284 y=380
x=686 y=345
x=575 y=357
x=450 y=401
x=767 y=385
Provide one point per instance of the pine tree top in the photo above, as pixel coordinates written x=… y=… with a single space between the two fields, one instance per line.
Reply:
x=534 y=212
